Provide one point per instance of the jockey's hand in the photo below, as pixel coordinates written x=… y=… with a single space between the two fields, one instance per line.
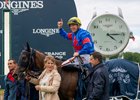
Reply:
x=60 y=23
x=37 y=87
x=71 y=59
x=75 y=54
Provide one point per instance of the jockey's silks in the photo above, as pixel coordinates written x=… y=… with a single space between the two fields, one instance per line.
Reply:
x=82 y=40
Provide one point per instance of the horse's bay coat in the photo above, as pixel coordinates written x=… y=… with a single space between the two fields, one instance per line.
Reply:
x=68 y=83
x=51 y=90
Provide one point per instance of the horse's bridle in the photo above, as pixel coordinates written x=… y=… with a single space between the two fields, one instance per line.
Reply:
x=31 y=59
x=31 y=62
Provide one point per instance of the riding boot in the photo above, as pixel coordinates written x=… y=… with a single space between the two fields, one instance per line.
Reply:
x=86 y=69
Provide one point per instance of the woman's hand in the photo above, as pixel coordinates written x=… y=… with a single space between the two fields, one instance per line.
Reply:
x=28 y=78
x=37 y=87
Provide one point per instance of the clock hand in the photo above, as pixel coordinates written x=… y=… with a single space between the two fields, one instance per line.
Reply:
x=111 y=36
x=115 y=34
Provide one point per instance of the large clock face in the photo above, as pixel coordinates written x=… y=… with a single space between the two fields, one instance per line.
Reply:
x=110 y=34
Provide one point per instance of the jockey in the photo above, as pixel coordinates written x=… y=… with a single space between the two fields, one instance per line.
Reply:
x=82 y=41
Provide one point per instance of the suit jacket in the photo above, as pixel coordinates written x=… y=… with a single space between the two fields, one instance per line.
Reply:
x=10 y=92
x=98 y=83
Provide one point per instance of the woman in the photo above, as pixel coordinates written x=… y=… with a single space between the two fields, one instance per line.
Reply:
x=48 y=82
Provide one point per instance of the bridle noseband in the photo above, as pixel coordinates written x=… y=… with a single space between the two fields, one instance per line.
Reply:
x=31 y=61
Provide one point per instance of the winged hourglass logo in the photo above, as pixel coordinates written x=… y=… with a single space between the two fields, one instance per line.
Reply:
x=21 y=6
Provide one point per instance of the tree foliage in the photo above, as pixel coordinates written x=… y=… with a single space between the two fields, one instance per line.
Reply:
x=132 y=56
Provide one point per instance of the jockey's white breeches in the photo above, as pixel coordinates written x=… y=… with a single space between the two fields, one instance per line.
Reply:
x=85 y=58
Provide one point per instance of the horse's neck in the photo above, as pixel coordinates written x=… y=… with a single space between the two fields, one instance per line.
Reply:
x=58 y=62
x=39 y=59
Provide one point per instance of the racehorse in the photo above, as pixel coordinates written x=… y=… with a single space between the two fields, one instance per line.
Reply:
x=31 y=62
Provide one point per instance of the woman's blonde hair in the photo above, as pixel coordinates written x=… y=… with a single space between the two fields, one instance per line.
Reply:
x=49 y=58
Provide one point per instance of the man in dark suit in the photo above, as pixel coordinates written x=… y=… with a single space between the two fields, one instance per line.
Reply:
x=98 y=79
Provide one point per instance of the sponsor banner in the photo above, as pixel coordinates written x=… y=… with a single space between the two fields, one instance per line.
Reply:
x=57 y=54
x=35 y=21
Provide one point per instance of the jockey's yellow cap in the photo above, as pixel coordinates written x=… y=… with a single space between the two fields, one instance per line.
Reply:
x=74 y=20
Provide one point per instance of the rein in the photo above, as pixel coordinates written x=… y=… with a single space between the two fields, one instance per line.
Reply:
x=25 y=72
x=31 y=62
x=72 y=60
x=68 y=61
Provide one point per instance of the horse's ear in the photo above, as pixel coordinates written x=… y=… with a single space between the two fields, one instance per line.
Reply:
x=28 y=47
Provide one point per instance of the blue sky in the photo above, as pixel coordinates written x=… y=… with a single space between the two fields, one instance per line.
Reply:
x=130 y=9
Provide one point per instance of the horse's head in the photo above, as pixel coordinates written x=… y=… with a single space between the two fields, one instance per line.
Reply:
x=25 y=58
x=31 y=62
x=26 y=62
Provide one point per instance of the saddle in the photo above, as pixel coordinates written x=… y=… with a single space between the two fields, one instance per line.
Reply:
x=82 y=68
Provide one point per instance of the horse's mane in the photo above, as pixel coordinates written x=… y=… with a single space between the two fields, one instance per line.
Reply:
x=41 y=57
x=40 y=62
